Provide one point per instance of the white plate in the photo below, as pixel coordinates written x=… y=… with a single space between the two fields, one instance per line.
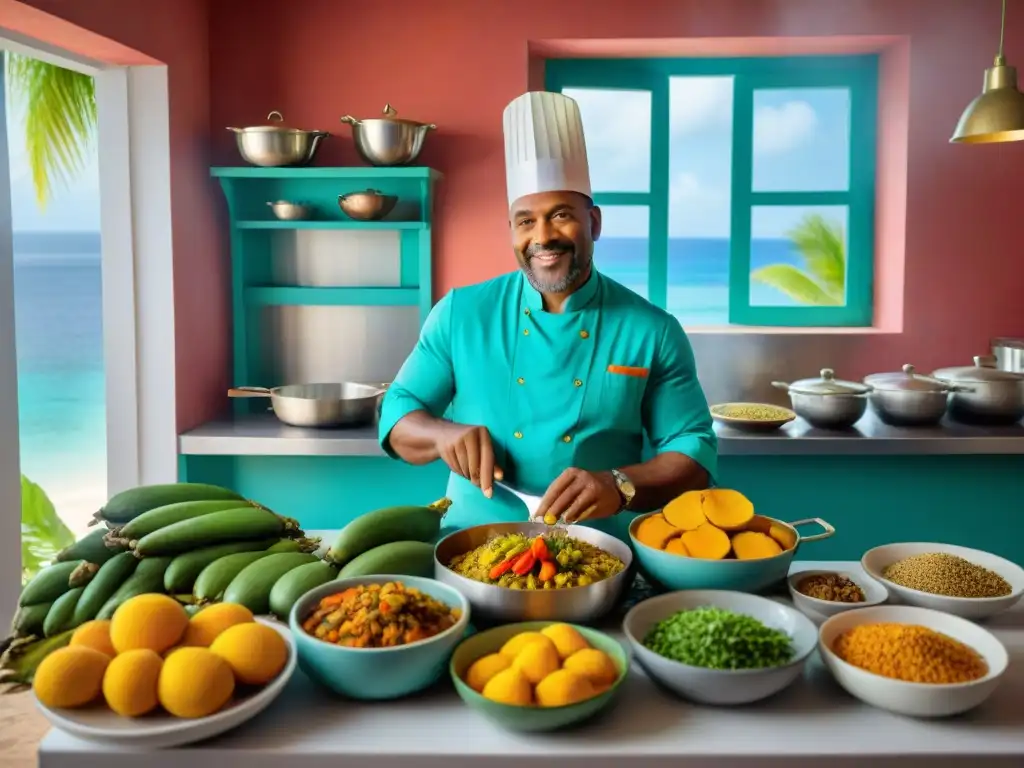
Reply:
x=720 y=686
x=813 y=607
x=875 y=561
x=160 y=730
x=914 y=699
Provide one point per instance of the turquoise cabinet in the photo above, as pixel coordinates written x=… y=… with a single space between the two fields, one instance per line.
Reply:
x=248 y=190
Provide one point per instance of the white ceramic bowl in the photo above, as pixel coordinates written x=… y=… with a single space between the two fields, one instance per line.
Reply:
x=161 y=730
x=914 y=699
x=814 y=608
x=875 y=561
x=719 y=686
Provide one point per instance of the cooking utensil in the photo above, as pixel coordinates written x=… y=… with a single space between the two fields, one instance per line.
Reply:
x=286 y=211
x=532 y=502
x=530 y=719
x=827 y=402
x=388 y=140
x=276 y=145
x=320 y=405
x=503 y=605
x=680 y=572
x=370 y=205
x=907 y=399
x=752 y=417
x=377 y=673
x=1009 y=354
x=996 y=397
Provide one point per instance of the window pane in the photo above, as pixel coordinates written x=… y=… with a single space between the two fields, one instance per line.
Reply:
x=798 y=256
x=700 y=164
x=617 y=125
x=622 y=252
x=801 y=140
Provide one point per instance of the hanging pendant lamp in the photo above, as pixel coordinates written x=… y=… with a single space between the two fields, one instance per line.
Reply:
x=997 y=115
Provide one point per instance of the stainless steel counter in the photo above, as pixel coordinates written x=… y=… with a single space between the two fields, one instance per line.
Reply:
x=264 y=435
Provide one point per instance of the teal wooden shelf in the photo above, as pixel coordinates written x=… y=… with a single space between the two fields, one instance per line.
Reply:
x=363 y=225
x=279 y=295
x=256 y=288
x=346 y=172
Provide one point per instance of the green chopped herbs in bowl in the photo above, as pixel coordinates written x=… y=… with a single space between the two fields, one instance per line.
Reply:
x=715 y=638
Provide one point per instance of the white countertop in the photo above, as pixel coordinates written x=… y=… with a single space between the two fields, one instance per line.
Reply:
x=812 y=723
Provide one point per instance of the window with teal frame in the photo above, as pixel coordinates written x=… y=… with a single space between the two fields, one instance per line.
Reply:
x=735 y=191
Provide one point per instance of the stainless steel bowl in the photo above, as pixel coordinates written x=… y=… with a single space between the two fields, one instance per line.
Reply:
x=276 y=145
x=500 y=604
x=370 y=205
x=388 y=140
x=286 y=211
x=827 y=402
x=991 y=396
x=908 y=399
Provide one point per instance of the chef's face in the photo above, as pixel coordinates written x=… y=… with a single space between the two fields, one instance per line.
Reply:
x=553 y=235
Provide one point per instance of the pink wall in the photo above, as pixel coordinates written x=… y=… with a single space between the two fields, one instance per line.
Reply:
x=458 y=62
x=173 y=32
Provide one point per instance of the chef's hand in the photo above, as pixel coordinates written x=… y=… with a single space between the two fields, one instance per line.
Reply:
x=467 y=450
x=577 y=495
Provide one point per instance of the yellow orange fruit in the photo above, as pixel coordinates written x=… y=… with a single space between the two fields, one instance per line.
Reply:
x=593 y=664
x=563 y=687
x=255 y=652
x=566 y=638
x=509 y=687
x=151 y=621
x=205 y=626
x=536 y=661
x=131 y=680
x=194 y=682
x=70 y=677
x=94 y=634
x=483 y=669
x=515 y=644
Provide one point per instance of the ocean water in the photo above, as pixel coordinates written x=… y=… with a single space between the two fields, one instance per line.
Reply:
x=58 y=309
x=61 y=400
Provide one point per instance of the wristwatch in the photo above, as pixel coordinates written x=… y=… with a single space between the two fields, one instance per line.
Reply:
x=626 y=488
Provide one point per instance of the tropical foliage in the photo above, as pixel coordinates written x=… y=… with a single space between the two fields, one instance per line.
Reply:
x=60 y=124
x=822 y=280
x=43 y=533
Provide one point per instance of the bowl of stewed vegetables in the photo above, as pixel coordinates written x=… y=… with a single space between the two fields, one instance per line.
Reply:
x=535 y=572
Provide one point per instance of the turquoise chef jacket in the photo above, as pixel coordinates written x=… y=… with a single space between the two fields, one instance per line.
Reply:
x=576 y=389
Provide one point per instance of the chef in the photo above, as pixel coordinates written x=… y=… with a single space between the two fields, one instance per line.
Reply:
x=548 y=378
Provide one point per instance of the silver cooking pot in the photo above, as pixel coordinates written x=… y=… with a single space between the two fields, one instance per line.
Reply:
x=276 y=144
x=388 y=140
x=996 y=397
x=346 y=404
x=827 y=402
x=908 y=399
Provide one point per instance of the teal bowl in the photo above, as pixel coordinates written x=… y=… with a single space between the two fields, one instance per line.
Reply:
x=677 y=572
x=377 y=673
x=533 y=719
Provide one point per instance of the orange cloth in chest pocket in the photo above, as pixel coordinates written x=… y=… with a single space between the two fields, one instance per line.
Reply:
x=627 y=370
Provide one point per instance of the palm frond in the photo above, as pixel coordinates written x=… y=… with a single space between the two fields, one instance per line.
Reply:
x=822 y=245
x=794 y=283
x=60 y=122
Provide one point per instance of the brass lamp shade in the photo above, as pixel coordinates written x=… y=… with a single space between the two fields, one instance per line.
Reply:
x=997 y=115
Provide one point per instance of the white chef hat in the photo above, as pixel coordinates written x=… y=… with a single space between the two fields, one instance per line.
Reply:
x=544 y=146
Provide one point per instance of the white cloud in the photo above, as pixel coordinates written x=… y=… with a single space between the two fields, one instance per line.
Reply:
x=697 y=208
x=779 y=129
x=699 y=103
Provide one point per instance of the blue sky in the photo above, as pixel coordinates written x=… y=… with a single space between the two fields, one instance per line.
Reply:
x=74 y=206
x=801 y=140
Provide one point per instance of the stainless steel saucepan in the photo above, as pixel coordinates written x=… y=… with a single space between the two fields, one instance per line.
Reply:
x=345 y=404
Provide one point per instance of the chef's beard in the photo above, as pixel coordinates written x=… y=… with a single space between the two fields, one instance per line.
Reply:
x=559 y=284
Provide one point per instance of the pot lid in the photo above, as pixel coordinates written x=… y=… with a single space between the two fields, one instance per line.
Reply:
x=1008 y=343
x=276 y=125
x=828 y=384
x=906 y=379
x=984 y=370
x=389 y=115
